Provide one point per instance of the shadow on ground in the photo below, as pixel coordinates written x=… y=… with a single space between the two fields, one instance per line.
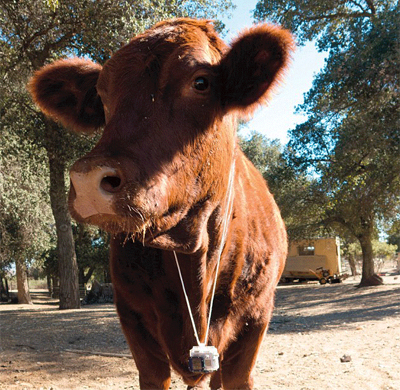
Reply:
x=38 y=337
x=314 y=307
x=50 y=329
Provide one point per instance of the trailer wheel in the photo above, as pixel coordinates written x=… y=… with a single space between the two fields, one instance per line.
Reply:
x=322 y=281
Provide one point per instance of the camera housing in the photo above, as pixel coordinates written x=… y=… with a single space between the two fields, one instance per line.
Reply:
x=203 y=359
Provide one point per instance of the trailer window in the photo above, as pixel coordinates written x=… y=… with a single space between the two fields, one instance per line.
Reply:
x=306 y=250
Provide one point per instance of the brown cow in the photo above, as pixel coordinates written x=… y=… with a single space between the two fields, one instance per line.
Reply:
x=158 y=180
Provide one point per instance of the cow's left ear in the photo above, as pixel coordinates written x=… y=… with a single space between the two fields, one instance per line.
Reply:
x=254 y=63
x=66 y=91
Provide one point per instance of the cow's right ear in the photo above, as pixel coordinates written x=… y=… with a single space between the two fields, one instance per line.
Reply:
x=66 y=91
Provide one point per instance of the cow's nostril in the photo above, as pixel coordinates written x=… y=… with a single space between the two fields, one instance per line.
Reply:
x=110 y=183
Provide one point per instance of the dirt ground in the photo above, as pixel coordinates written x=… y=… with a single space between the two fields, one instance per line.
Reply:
x=313 y=328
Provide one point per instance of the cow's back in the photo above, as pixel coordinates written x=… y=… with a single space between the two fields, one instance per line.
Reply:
x=266 y=232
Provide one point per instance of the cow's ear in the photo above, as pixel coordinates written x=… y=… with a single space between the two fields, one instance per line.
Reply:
x=66 y=91
x=253 y=65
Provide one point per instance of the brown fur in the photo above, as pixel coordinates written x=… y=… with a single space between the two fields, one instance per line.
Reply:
x=172 y=147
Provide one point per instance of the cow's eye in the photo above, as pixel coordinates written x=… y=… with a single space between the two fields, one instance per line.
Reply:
x=201 y=84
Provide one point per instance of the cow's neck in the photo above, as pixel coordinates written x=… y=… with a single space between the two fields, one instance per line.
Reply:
x=201 y=229
x=159 y=274
x=199 y=254
x=210 y=274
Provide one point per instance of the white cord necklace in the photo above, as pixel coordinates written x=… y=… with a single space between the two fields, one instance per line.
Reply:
x=205 y=358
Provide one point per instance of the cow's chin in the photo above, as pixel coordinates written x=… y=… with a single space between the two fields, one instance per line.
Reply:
x=115 y=224
x=133 y=222
x=132 y=227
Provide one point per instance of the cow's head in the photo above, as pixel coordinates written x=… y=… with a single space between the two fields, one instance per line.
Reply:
x=169 y=102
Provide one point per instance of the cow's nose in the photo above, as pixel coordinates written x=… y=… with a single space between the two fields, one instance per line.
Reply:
x=95 y=189
x=111 y=182
x=101 y=178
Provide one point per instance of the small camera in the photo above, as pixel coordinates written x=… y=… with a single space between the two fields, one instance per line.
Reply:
x=203 y=359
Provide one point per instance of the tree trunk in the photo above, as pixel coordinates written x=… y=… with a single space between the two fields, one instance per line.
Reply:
x=22 y=283
x=107 y=275
x=81 y=275
x=49 y=286
x=352 y=263
x=368 y=261
x=5 y=294
x=68 y=267
x=88 y=275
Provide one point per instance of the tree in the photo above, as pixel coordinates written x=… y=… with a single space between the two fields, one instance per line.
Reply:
x=323 y=21
x=262 y=152
x=291 y=188
x=25 y=217
x=382 y=252
x=350 y=143
x=394 y=234
x=91 y=245
x=34 y=32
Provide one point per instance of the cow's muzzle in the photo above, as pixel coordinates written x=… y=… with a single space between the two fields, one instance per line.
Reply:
x=95 y=190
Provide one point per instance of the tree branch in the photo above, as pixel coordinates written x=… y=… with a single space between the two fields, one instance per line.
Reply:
x=371 y=6
x=38 y=59
x=358 y=5
x=341 y=15
x=340 y=220
x=39 y=33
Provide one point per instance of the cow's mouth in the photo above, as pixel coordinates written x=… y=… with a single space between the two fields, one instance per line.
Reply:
x=115 y=224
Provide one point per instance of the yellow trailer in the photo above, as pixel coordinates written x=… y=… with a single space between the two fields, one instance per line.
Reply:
x=317 y=259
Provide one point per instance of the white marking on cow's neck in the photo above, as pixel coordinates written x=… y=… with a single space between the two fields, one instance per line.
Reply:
x=228 y=212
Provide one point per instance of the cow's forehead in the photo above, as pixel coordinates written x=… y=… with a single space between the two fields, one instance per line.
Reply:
x=195 y=39
x=183 y=30
x=190 y=40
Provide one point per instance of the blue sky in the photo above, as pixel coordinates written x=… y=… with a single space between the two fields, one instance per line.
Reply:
x=278 y=117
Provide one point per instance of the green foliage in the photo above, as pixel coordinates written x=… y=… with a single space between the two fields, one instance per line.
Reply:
x=382 y=250
x=91 y=247
x=297 y=195
x=85 y=27
x=352 y=137
x=52 y=4
x=394 y=233
x=262 y=152
x=351 y=141
x=324 y=21
x=350 y=144
x=25 y=216
x=292 y=189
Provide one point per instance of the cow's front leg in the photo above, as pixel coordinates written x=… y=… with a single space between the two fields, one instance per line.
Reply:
x=216 y=381
x=240 y=357
x=151 y=361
